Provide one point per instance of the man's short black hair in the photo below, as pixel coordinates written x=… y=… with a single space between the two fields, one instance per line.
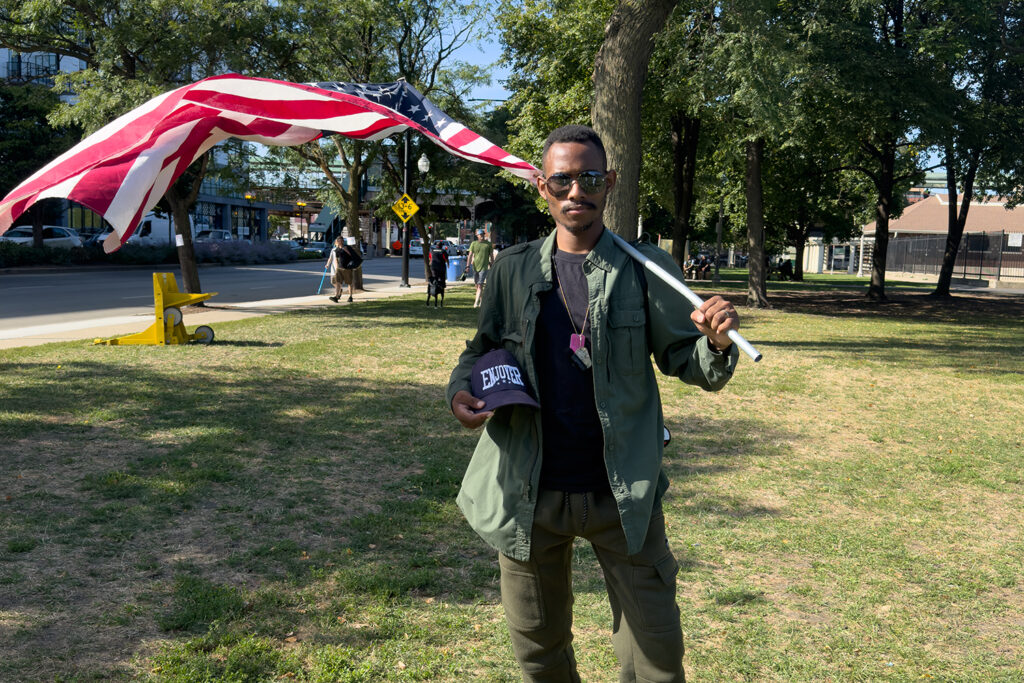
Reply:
x=575 y=133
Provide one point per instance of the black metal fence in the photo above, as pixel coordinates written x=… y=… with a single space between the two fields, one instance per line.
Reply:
x=982 y=255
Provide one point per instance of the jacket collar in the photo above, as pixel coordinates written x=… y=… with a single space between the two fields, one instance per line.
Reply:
x=604 y=255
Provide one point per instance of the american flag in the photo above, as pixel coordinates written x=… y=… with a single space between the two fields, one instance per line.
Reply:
x=122 y=170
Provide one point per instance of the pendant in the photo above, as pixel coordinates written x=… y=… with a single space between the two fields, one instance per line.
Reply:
x=581 y=357
x=577 y=342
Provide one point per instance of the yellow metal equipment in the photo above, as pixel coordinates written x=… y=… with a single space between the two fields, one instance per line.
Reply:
x=168 y=328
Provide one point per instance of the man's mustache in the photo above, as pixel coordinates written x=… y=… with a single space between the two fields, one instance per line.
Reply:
x=579 y=205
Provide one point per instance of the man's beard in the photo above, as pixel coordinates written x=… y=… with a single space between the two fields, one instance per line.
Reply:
x=579 y=229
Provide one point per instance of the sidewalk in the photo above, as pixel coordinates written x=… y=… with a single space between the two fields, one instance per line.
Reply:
x=105 y=328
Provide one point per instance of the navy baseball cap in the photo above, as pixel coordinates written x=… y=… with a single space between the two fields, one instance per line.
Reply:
x=498 y=381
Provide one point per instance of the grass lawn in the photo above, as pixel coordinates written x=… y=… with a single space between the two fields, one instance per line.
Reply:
x=280 y=505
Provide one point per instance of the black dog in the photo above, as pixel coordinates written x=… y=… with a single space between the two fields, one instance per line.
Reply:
x=435 y=288
x=437 y=281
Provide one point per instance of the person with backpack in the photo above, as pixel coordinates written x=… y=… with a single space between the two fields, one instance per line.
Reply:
x=581 y=322
x=343 y=262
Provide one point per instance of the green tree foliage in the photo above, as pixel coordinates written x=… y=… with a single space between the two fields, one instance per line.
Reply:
x=878 y=89
x=27 y=141
x=980 y=137
x=549 y=47
x=807 y=91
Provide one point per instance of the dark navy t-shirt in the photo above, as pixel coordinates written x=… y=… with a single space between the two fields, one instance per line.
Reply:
x=573 y=445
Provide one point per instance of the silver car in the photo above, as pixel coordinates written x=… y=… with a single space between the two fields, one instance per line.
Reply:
x=53 y=236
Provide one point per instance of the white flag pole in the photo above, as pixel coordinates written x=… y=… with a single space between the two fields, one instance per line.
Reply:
x=677 y=285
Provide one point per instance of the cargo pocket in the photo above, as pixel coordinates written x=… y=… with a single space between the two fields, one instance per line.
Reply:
x=520 y=596
x=655 y=590
x=627 y=329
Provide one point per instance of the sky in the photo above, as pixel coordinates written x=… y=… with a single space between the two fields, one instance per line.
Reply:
x=483 y=53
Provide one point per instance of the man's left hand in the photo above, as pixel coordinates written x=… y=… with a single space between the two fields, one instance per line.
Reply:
x=715 y=318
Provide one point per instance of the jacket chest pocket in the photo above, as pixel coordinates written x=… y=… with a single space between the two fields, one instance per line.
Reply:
x=627 y=329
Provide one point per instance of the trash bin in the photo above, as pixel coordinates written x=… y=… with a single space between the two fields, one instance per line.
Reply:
x=456 y=267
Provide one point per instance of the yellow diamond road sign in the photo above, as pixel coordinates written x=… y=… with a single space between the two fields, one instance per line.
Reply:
x=405 y=207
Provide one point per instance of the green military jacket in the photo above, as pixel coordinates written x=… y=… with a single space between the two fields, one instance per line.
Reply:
x=499 y=489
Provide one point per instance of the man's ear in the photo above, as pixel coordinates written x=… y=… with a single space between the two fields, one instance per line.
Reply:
x=542 y=188
x=610 y=181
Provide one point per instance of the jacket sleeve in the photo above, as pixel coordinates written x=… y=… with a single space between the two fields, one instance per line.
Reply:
x=487 y=337
x=679 y=349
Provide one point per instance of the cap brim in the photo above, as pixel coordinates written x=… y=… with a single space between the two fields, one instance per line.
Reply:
x=507 y=398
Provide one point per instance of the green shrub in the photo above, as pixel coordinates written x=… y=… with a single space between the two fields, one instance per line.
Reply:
x=12 y=254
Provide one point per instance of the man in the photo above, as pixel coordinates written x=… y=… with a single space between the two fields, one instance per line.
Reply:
x=690 y=268
x=704 y=267
x=481 y=256
x=582 y=322
x=343 y=261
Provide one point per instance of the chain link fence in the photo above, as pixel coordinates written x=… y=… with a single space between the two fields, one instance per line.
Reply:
x=982 y=255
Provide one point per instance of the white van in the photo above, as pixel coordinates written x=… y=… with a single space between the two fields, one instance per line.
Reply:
x=153 y=230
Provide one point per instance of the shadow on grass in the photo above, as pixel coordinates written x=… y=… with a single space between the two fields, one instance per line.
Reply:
x=248 y=344
x=994 y=310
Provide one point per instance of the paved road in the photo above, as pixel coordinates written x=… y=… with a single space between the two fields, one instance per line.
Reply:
x=37 y=303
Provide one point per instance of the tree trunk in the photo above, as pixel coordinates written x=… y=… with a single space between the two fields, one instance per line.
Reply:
x=186 y=250
x=181 y=196
x=354 y=230
x=757 y=289
x=798 y=267
x=956 y=221
x=685 y=135
x=883 y=209
x=620 y=70
x=36 y=212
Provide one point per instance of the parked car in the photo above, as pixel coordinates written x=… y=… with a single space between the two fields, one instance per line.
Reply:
x=292 y=244
x=316 y=248
x=415 y=248
x=213 y=236
x=53 y=236
x=96 y=238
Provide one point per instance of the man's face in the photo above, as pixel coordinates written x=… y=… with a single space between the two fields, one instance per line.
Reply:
x=576 y=210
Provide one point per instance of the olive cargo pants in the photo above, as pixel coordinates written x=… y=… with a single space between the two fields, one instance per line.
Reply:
x=537 y=595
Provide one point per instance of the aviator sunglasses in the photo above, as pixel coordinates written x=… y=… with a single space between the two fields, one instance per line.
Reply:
x=591 y=182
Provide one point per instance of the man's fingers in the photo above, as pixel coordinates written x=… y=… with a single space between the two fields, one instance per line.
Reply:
x=465 y=407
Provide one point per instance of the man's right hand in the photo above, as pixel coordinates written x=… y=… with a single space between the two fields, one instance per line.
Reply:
x=464 y=407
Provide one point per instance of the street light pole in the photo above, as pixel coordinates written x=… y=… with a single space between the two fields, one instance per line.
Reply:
x=718 y=230
x=718 y=246
x=302 y=217
x=248 y=219
x=405 y=224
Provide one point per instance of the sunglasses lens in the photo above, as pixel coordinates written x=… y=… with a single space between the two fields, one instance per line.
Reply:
x=591 y=182
x=559 y=183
